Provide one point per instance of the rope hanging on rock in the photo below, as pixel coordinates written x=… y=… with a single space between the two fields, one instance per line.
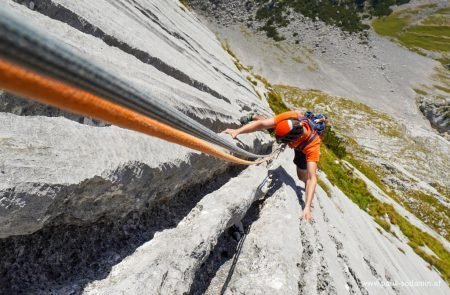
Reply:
x=59 y=94
x=30 y=48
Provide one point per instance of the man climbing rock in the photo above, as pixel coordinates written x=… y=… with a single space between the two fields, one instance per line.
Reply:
x=298 y=131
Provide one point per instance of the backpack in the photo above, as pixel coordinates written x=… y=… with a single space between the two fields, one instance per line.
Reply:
x=319 y=127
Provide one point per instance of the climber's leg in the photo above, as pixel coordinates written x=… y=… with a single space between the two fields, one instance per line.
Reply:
x=300 y=162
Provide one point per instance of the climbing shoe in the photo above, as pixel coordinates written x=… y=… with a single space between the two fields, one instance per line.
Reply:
x=246 y=119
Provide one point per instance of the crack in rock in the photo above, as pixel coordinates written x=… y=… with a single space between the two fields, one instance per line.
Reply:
x=62 y=14
x=63 y=259
x=17 y=105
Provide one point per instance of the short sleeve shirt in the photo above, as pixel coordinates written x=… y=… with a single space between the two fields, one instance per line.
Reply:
x=312 y=150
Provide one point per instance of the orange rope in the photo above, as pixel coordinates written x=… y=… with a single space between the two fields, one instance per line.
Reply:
x=46 y=90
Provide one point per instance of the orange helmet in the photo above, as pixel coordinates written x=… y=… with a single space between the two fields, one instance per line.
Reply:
x=287 y=131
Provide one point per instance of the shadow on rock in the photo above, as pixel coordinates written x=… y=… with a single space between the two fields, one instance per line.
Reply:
x=63 y=259
x=231 y=241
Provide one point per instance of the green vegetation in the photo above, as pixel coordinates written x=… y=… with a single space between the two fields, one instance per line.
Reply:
x=324 y=186
x=442 y=88
x=185 y=4
x=445 y=191
x=420 y=91
x=429 y=209
x=380 y=7
x=334 y=142
x=337 y=108
x=249 y=78
x=431 y=32
x=341 y=111
x=336 y=149
x=371 y=174
x=236 y=60
x=244 y=69
x=443 y=11
x=263 y=80
x=390 y=25
x=276 y=102
x=344 y=14
x=424 y=41
x=343 y=178
x=438 y=20
x=384 y=214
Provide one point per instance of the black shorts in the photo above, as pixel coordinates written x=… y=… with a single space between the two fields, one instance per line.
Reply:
x=300 y=160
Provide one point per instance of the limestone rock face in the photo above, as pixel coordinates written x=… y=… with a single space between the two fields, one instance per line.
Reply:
x=437 y=110
x=60 y=168
x=90 y=208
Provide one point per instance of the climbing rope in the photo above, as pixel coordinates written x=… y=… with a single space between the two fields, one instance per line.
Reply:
x=38 y=67
x=59 y=94
x=26 y=46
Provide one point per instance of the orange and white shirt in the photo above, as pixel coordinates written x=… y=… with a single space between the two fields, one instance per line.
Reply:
x=312 y=150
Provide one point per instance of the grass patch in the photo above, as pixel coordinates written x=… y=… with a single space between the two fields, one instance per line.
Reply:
x=369 y=172
x=437 y=20
x=442 y=88
x=390 y=25
x=276 y=102
x=420 y=91
x=236 y=60
x=345 y=115
x=263 y=80
x=185 y=4
x=334 y=142
x=249 y=78
x=298 y=59
x=384 y=214
x=227 y=48
x=431 y=32
x=426 y=207
x=445 y=191
x=383 y=223
x=427 y=42
x=324 y=186
x=430 y=211
x=443 y=11
x=337 y=108
x=343 y=178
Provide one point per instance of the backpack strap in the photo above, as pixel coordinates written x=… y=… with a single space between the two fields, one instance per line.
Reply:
x=310 y=122
x=306 y=143
x=313 y=135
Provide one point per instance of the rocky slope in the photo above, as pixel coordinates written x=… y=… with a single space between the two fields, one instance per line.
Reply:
x=408 y=154
x=86 y=207
x=362 y=66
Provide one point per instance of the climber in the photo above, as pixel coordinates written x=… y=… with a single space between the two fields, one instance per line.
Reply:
x=300 y=132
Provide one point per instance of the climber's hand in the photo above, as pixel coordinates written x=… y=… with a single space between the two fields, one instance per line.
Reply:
x=232 y=132
x=307 y=214
x=320 y=120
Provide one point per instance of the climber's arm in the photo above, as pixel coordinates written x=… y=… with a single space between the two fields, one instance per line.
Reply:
x=311 y=182
x=252 y=127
